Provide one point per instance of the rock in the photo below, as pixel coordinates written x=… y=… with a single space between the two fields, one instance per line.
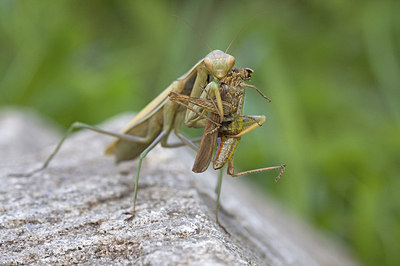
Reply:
x=75 y=210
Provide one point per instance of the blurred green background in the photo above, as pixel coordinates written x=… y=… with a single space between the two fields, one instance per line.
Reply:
x=330 y=67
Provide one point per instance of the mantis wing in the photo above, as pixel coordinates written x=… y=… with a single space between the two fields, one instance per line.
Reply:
x=184 y=83
x=128 y=150
x=148 y=123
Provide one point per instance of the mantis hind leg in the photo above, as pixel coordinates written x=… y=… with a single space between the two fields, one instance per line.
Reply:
x=177 y=130
x=142 y=156
x=218 y=191
x=187 y=142
x=161 y=138
x=74 y=126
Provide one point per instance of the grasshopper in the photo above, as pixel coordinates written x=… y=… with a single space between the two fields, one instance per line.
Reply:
x=233 y=125
x=154 y=123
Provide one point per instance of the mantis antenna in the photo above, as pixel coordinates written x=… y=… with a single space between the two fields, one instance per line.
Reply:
x=240 y=31
x=229 y=46
x=195 y=31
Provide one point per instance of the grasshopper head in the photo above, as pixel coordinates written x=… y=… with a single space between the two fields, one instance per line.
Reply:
x=219 y=63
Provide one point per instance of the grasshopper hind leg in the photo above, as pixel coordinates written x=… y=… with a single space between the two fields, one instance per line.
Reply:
x=231 y=170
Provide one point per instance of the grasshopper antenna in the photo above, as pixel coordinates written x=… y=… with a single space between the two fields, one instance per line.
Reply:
x=195 y=31
x=254 y=87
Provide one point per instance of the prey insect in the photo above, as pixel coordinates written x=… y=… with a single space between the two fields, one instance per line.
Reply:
x=233 y=124
x=154 y=123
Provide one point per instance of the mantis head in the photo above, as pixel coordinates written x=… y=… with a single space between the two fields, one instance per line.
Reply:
x=219 y=63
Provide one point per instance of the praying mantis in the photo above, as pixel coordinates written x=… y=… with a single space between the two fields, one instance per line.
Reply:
x=154 y=123
x=233 y=125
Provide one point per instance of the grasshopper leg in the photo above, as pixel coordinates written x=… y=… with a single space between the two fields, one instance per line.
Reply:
x=231 y=170
x=250 y=123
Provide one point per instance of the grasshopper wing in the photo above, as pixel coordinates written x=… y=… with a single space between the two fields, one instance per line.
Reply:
x=207 y=144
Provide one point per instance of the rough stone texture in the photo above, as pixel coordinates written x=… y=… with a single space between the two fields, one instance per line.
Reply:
x=74 y=212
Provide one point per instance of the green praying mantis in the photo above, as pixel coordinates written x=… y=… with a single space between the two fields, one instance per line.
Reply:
x=154 y=123
x=232 y=125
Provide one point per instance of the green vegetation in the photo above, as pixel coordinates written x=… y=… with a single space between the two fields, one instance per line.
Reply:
x=331 y=68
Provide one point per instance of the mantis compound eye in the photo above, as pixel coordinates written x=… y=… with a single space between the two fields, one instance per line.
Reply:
x=230 y=62
x=209 y=64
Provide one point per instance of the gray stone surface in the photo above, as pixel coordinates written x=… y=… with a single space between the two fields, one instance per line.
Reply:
x=74 y=212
